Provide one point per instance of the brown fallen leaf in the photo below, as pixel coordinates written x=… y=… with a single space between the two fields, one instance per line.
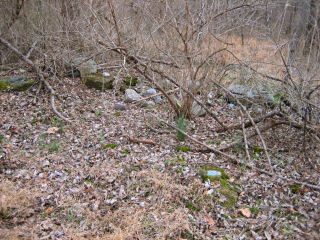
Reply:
x=245 y=212
x=52 y=130
x=48 y=211
x=209 y=220
x=292 y=210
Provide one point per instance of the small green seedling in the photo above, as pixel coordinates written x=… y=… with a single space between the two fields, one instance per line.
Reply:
x=182 y=127
x=125 y=151
x=182 y=148
x=110 y=145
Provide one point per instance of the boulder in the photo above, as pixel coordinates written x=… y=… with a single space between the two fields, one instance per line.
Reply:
x=81 y=66
x=131 y=96
x=147 y=104
x=150 y=92
x=15 y=83
x=97 y=81
x=249 y=94
x=197 y=110
x=120 y=107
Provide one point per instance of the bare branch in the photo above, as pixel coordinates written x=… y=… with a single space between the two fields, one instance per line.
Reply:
x=39 y=73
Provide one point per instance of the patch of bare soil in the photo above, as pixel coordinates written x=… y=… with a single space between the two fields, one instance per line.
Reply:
x=87 y=180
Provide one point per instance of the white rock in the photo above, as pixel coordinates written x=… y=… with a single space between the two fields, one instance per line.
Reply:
x=131 y=95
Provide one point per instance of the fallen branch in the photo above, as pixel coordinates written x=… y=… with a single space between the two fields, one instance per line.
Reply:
x=249 y=123
x=316 y=187
x=234 y=159
x=272 y=124
x=252 y=122
x=39 y=73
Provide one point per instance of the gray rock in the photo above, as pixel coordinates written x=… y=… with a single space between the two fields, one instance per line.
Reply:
x=249 y=94
x=150 y=92
x=15 y=83
x=85 y=67
x=97 y=81
x=147 y=104
x=131 y=96
x=210 y=98
x=120 y=107
x=81 y=66
x=197 y=110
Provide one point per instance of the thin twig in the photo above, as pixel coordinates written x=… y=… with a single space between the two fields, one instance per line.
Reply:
x=253 y=123
x=245 y=137
x=272 y=124
x=248 y=123
x=31 y=49
x=316 y=187
x=155 y=95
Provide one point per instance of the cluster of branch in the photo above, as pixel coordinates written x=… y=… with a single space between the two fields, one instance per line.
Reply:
x=39 y=73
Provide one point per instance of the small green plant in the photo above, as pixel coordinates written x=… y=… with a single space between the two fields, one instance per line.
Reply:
x=4 y=214
x=254 y=210
x=182 y=148
x=1 y=138
x=60 y=131
x=125 y=151
x=110 y=145
x=70 y=214
x=182 y=127
x=295 y=188
x=53 y=146
x=97 y=113
x=257 y=149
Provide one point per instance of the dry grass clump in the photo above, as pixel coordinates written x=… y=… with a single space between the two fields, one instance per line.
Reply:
x=16 y=205
x=157 y=213
x=15 y=201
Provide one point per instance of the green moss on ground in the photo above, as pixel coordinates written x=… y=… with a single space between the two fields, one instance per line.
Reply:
x=230 y=192
x=131 y=80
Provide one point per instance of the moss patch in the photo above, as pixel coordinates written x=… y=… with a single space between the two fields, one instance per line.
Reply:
x=131 y=80
x=110 y=145
x=123 y=88
x=182 y=149
x=4 y=86
x=98 y=81
x=230 y=192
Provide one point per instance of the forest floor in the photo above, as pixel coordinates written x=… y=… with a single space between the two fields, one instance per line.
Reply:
x=87 y=180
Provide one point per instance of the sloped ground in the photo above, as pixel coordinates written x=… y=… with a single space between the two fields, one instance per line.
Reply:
x=87 y=180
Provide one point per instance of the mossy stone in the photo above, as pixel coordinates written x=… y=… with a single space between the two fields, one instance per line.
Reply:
x=15 y=83
x=98 y=81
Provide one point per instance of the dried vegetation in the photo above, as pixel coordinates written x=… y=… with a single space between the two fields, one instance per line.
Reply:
x=133 y=174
